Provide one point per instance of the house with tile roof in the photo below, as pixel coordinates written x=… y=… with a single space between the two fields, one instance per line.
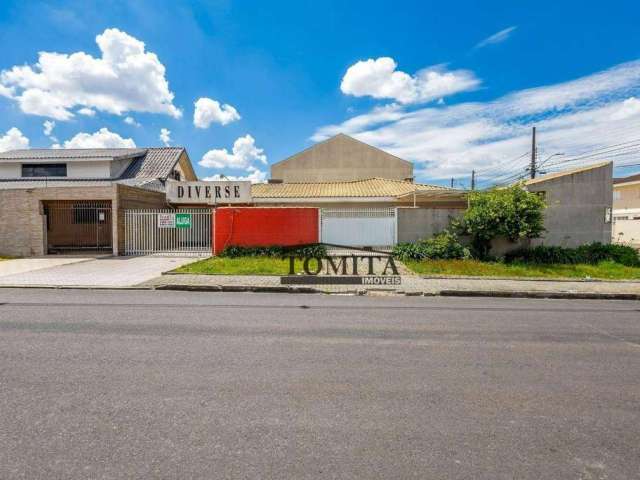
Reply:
x=58 y=200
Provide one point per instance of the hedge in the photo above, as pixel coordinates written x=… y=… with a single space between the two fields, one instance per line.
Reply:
x=299 y=251
x=591 y=253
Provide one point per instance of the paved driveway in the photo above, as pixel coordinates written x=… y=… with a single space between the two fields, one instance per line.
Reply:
x=96 y=272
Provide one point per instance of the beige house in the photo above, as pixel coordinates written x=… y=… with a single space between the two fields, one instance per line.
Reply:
x=62 y=200
x=626 y=210
x=340 y=159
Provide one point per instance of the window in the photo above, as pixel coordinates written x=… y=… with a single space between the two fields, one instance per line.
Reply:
x=616 y=194
x=175 y=174
x=44 y=169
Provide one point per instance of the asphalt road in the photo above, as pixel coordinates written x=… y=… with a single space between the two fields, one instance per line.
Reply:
x=140 y=384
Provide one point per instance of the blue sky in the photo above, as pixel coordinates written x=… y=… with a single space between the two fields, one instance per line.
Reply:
x=452 y=86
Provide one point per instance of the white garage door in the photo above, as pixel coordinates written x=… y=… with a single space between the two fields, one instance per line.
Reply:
x=362 y=227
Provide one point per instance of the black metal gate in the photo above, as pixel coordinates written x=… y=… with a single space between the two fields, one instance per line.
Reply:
x=78 y=225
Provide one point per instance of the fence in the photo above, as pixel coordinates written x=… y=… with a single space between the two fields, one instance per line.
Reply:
x=177 y=232
x=262 y=226
x=78 y=225
x=358 y=227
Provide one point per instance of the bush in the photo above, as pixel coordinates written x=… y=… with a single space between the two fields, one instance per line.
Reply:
x=591 y=253
x=277 y=251
x=442 y=246
x=510 y=212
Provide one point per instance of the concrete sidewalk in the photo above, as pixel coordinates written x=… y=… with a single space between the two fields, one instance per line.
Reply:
x=411 y=285
x=95 y=272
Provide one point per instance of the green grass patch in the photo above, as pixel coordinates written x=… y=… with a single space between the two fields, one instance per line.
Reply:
x=603 y=270
x=240 y=266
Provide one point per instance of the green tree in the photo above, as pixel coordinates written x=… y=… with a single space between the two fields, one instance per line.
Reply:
x=510 y=212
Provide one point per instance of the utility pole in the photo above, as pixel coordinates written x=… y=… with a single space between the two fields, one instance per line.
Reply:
x=532 y=167
x=473 y=179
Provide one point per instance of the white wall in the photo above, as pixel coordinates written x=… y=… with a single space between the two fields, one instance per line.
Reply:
x=89 y=169
x=9 y=170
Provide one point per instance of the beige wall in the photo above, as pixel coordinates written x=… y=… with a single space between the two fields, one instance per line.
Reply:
x=576 y=207
x=22 y=222
x=340 y=158
x=629 y=196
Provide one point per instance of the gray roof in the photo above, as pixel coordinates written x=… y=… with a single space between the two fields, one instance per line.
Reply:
x=148 y=169
x=65 y=154
x=157 y=163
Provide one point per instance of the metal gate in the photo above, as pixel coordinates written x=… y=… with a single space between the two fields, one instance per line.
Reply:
x=358 y=227
x=78 y=225
x=182 y=231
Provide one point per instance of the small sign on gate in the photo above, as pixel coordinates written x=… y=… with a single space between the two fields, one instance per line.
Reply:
x=183 y=220
x=166 y=220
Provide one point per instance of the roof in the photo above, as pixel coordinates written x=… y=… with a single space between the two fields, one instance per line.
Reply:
x=371 y=187
x=148 y=166
x=630 y=178
x=70 y=154
x=564 y=173
x=335 y=137
x=157 y=163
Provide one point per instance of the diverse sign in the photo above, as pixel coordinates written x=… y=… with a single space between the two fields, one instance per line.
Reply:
x=209 y=193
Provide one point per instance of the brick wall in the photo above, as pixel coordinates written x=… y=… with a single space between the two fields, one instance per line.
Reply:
x=22 y=222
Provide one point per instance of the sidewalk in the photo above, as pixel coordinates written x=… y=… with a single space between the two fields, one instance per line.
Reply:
x=411 y=285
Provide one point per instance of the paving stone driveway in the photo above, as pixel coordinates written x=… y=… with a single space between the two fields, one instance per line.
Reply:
x=96 y=272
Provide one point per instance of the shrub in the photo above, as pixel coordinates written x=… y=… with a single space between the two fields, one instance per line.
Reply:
x=591 y=253
x=510 y=212
x=442 y=246
x=299 y=251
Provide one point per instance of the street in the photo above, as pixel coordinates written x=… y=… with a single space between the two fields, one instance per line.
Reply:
x=108 y=384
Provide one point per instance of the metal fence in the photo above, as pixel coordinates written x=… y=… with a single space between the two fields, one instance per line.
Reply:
x=78 y=225
x=170 y=232
x=358 y=227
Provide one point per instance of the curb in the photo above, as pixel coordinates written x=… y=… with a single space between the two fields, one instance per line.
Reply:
x=549 y=295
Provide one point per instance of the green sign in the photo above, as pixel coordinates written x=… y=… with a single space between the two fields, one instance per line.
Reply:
x=183 y=220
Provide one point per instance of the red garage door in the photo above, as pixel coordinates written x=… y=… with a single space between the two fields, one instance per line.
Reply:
x=263 y=226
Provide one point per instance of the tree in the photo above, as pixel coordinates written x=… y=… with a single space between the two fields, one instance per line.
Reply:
x=511 y=212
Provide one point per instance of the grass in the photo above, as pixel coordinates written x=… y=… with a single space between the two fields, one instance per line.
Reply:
x=239 y=266
x=603 y=270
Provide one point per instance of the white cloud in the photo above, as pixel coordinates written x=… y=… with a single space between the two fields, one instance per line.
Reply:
x=444 y=141
x=243 y=154
x=210 y=111
x=13 y=140
x=124 y=78
x=165 y=136
x=48 y=127
x=255 y=175
x=131 y=121
x=103 y=138
x=497 y=37
x=87 y=112
x=379 y=79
